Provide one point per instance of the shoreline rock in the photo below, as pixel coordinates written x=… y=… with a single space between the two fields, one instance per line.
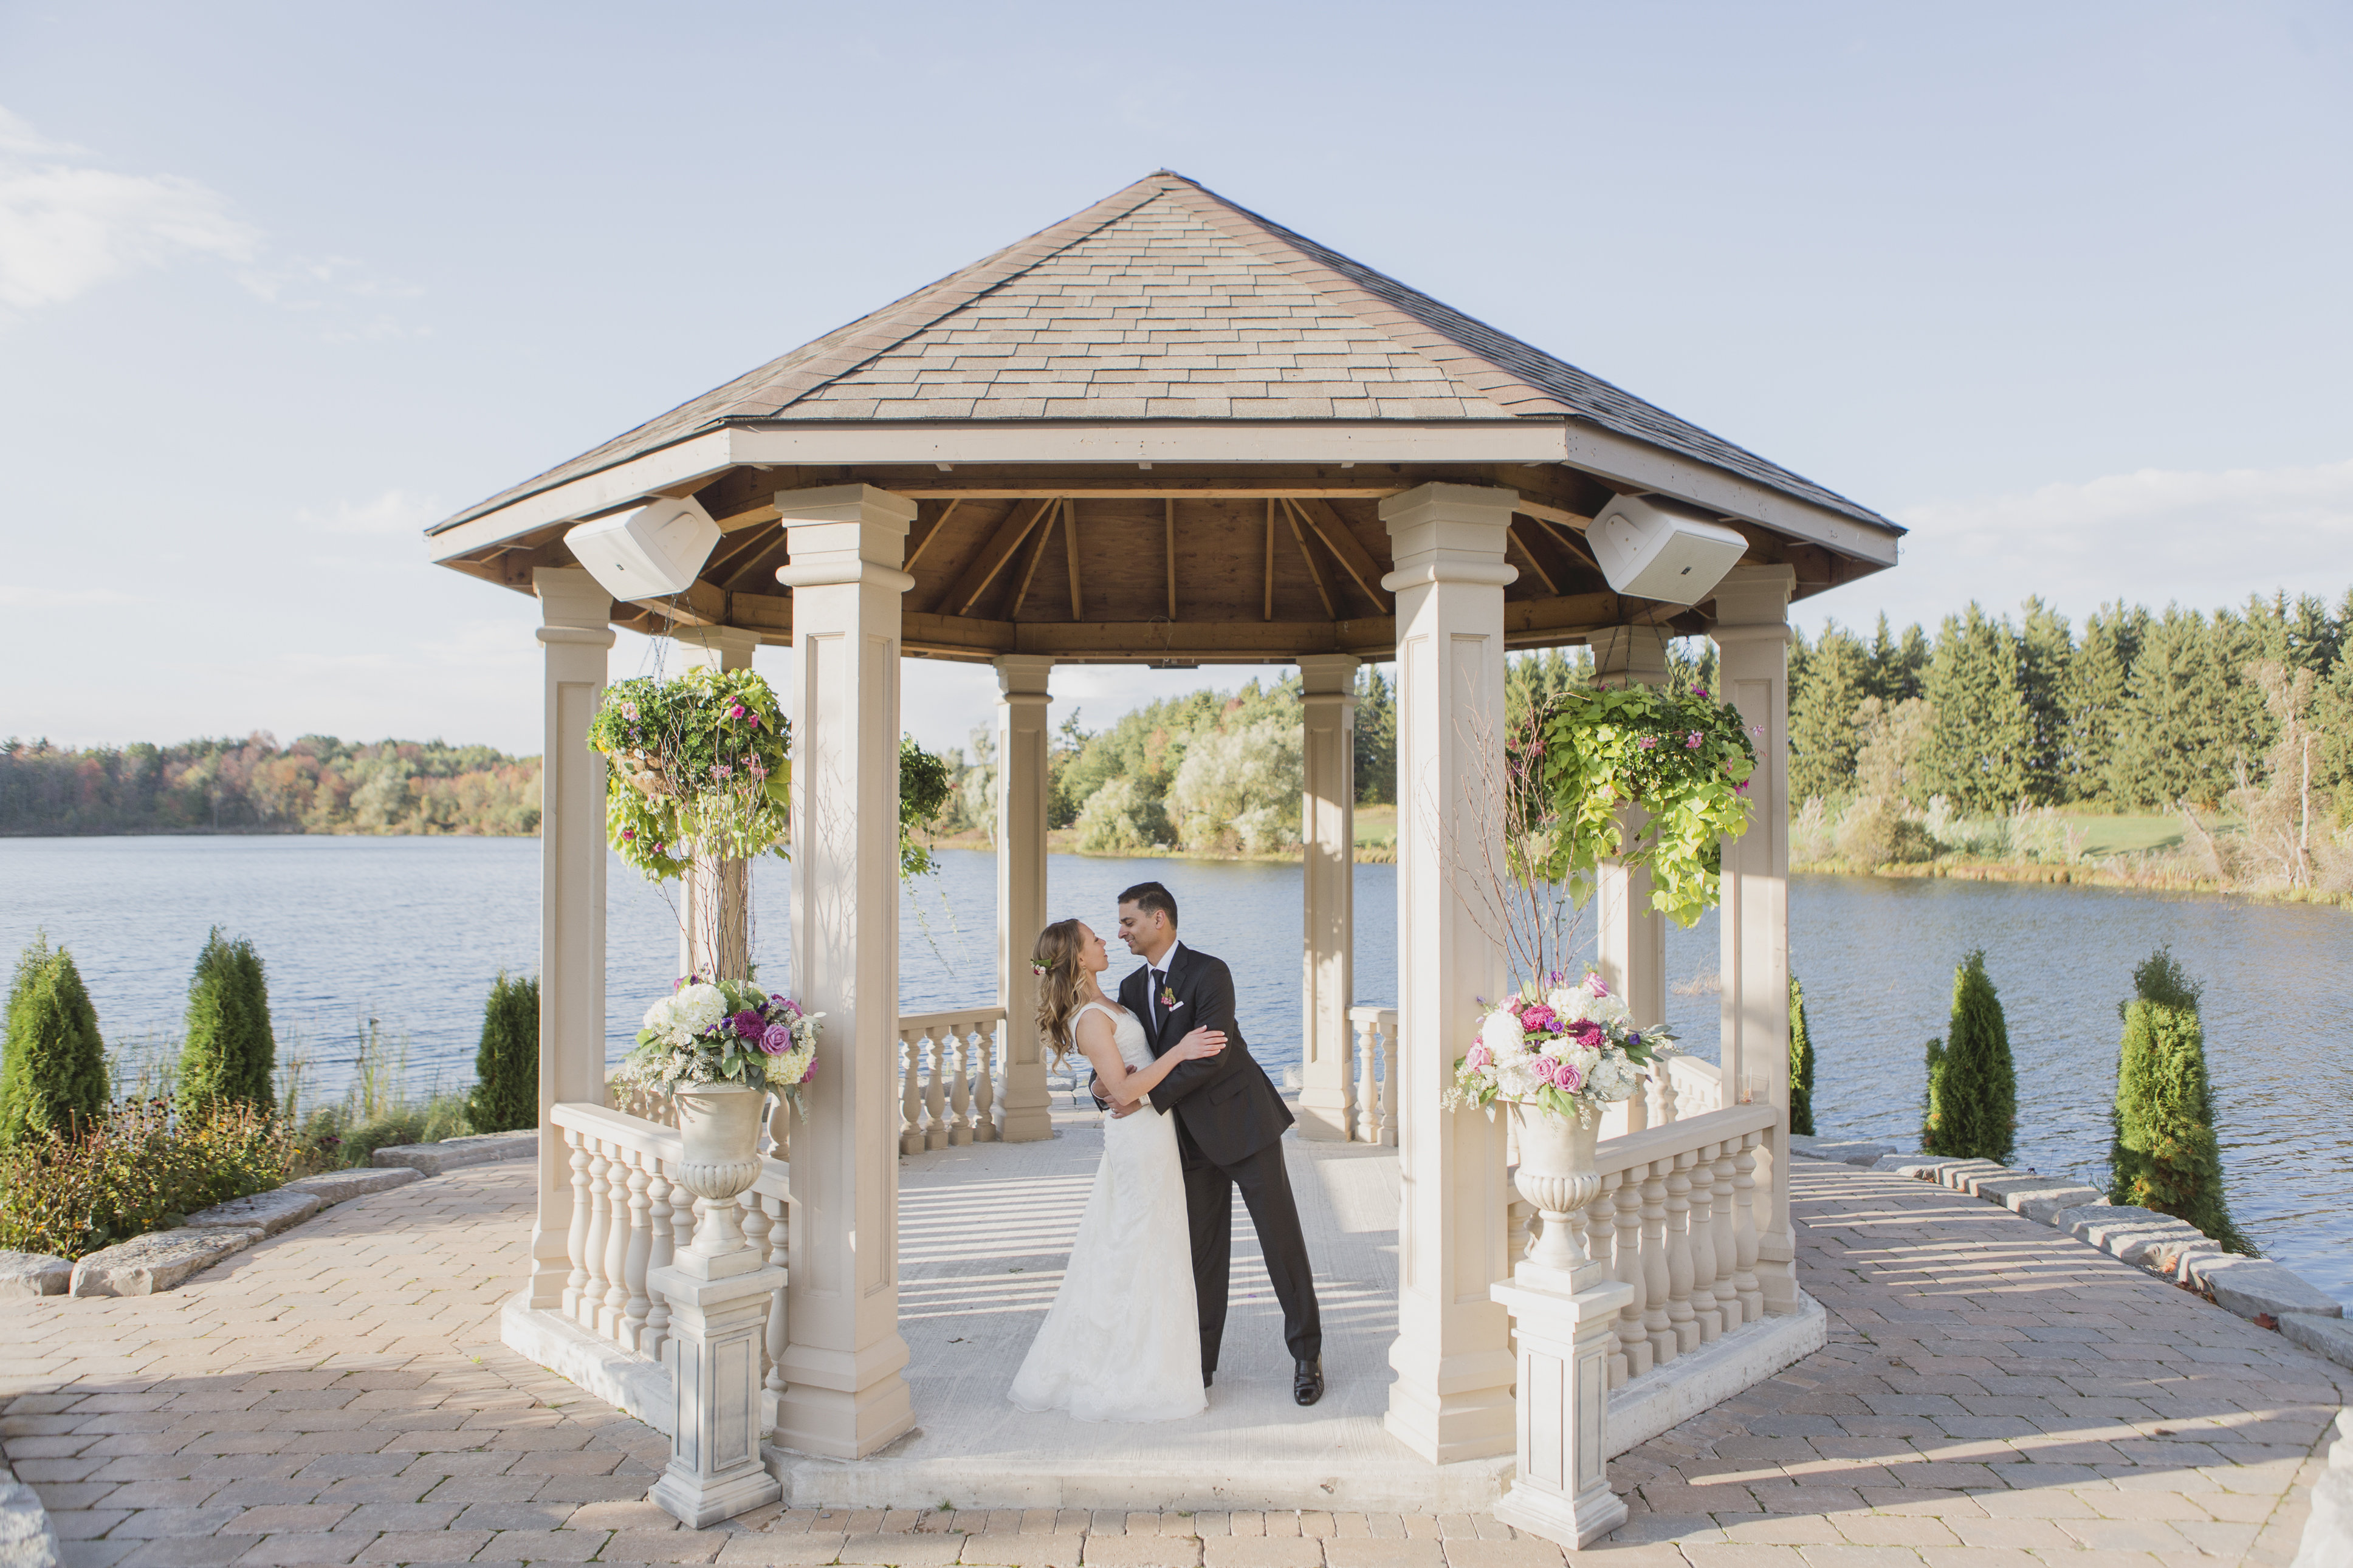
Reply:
x=24 y=1275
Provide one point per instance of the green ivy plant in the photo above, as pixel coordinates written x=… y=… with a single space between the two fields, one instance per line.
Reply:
x=924 y=784
x=1682 y=756
x=701 y=765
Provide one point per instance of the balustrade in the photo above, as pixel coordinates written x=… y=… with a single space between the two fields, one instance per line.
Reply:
x=1370 y=1113
x=948 y=1064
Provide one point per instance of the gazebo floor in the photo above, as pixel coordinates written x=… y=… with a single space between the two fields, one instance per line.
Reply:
x=1993 y=1395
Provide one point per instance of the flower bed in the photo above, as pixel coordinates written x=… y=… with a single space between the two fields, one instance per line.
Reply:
x=145 y=1165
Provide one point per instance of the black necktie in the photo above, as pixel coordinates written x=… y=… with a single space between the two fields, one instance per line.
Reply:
x=1159 y=1013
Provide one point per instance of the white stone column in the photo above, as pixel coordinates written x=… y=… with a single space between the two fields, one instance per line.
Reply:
x=1631 y=937
x=1021 y=792
x=1452 y=1396
x=575 y=630
x=1752 y=640
x=714 y=906
x=1327 y=832
x=843 y=1395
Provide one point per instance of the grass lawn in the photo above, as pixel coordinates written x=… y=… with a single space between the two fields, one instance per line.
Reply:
x=1377 y=827
x=2106 y=836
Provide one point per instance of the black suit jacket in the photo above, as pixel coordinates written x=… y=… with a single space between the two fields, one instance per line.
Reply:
x=1226 y=1107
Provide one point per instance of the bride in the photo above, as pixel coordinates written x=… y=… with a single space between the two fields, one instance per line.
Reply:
x=1122 y=1342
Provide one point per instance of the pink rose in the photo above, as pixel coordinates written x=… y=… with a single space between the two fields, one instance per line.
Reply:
x=1595 y=984
x=1481 y=1058
x=776 y=1039
x=1567 y=1076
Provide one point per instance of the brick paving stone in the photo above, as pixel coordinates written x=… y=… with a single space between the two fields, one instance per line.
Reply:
x=1261 y=1551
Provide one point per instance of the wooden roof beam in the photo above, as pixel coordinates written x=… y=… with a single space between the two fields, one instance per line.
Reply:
x=1353 y=558
x=1299 y=532
x=1018 y=522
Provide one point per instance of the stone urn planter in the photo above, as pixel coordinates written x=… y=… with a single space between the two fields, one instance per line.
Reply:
x=719 y=1135
x=1556 y=1176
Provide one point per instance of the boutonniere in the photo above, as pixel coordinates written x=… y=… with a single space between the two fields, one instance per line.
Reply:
x=1168 y=999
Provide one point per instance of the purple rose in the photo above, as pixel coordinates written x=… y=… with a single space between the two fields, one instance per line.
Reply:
x=748 y=1024
x=776 y=1039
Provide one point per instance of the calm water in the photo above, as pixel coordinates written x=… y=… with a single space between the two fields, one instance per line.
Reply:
x=414 y=929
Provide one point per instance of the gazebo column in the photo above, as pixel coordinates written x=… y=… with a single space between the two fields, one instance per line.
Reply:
x=1327 y=833
x=576 y=630
x=1631 y=937
x=843 y=1395
x=1452 y=1396
x=715 y=935
x=1021 y=791
x=1752 y=639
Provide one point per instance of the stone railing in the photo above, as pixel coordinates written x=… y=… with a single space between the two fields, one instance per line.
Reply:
x=629 y=1217
x=1370 y=1109
x=948 y=1064
x=1677 y=1218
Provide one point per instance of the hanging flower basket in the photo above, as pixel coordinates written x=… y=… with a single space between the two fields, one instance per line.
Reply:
x=701 y=767
x=1682 y=756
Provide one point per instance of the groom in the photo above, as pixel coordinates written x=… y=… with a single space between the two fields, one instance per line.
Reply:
x=1230 y=1123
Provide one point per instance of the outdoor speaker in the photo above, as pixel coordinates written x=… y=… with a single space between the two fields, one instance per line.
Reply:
x=647 y=553
x=1650 y=553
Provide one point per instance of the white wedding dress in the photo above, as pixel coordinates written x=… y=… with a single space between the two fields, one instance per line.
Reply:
x=1123 y=1340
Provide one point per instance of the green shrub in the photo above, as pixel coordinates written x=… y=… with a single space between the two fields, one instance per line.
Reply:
x=1972 y=1084
x=53 y=1072
x=140 y=1165
x=2164 y=1156
x=230 y=1053
x=340 y=1137
x=506 y=1067
x=1802 y=1064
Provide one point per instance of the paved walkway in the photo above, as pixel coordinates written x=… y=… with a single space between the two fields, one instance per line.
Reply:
x=1995 y=1396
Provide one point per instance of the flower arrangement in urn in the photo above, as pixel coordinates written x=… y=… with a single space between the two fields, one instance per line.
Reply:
x=723 y=1032
x=1567 y=1049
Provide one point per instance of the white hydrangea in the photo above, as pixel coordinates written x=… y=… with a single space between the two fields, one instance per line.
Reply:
x=1584 y=1058
x=1609 y=1010
x=1515 y=1079
x=1563 y=1001
x=1502 y=1034
x=698 y=1007
x=660 y=1018
x=1615 y=1078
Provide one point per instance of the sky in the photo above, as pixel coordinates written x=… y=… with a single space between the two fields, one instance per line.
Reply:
x=2060 y=288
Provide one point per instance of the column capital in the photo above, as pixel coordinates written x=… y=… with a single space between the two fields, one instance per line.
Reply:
x=722 y=647
x=1754 y=596
x=1328 y=673
x=845 y=534
x=571 y=601
x=1448 y=534
x=1024 y=677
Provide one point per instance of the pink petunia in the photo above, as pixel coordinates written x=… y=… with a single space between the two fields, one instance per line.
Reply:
x=1691 y=741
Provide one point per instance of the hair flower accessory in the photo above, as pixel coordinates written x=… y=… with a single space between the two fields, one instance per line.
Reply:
x=1040 y=970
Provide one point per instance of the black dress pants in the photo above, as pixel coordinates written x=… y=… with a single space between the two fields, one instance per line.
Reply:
x=1209 y=1207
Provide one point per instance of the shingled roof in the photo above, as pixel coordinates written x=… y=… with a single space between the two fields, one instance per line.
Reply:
x=1166 y=302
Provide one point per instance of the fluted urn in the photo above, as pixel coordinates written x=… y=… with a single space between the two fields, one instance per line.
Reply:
x=719 y=1158
x=1557 y=1177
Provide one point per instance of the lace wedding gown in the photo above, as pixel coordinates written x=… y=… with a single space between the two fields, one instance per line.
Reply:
x=1123 y=1340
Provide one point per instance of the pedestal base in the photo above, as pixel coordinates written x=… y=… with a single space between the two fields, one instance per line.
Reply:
x=716 y=1330
x=1563 y=1492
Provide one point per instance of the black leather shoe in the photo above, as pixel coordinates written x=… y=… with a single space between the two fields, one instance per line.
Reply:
x=1307 y=1381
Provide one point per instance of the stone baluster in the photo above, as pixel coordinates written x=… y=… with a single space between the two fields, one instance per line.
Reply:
x=960 y=1092
x=935 y=1095
x=755 y=1242
x=1702 y=1245
x=659 y=1251
x=779 y=1234
x=1727 y=1244
x=1365 y=1034
x=592 y=1293
x=911 y=1091
x=617 y=1245
x=575 y=1242
x=1633 y=1333
x=1523 y=1223
x=1679 y=1254
x=1743 y=1229
x=636 y=1305
x=1657 y=1276
x=1389 y=1086
x=984 y=1086
x=1601 y=1246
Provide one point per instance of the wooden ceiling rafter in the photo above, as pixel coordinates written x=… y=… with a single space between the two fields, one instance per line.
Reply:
x=1070 y=557
x=1020 y=520
x=1042 y=532
x=1301 y=532
x=1168 y=523
x=1353 y=558
x=939 y=526
x=1515 y=534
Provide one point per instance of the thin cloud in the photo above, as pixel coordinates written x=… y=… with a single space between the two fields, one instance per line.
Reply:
x=16 y=598
x=395 y=511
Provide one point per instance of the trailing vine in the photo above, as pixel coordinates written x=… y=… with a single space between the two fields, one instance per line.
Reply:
x=1682 y=756
x=701 y=765
x=924 y=784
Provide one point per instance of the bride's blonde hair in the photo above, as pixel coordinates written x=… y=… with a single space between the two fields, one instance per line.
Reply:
x=1061 y=984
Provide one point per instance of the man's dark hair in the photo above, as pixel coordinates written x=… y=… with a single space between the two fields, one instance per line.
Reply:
x=1150 y=896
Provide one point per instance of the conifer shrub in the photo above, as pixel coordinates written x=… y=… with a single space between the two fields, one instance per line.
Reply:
x=1802 y=1064
x=53 y=1069
x=2164 y=1155
x=1972 y=1083
x=506 y=1067
x=231 y=1055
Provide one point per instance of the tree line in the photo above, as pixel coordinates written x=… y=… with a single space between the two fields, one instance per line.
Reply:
x=317 y=784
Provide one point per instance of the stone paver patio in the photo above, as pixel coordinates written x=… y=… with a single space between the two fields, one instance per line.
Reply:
x=1994 y=1395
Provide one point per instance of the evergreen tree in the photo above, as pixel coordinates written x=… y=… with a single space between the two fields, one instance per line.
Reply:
x=2099 y=679
x=54 y=1070
x=1375 y=739
x=2164 y=1156
x=2192 y=721
x=1822 y=703
x=1972 y=1084
x=506 y=1066
x=230 y=1053
x=1801 y=1063
x=1899 y=668
x=1979 y=751
x=2045 y=651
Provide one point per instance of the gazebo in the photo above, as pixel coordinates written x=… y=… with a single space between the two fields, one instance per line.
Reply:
x=1167 y=431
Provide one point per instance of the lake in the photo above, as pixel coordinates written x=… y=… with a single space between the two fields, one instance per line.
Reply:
x=414 y=929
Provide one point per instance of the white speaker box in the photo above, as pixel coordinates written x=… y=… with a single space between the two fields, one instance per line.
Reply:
x=1650 y=553
x=647 y=553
